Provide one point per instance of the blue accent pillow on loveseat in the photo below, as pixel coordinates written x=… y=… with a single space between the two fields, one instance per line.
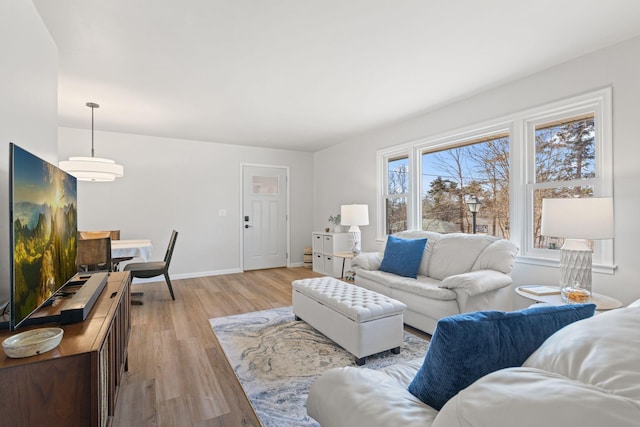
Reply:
x=468 y=346
x=403 y=256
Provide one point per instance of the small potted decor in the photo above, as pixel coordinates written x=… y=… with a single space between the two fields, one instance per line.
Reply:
x=335 y=220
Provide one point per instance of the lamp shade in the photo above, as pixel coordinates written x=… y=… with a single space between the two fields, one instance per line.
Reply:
x=578 y=218
x=354 y=214
x=94 y=169
x=473 y=204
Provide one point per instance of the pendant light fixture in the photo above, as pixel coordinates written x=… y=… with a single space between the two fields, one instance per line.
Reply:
x=92 y=168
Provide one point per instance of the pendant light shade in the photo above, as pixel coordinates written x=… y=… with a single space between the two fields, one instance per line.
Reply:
x=92 y=168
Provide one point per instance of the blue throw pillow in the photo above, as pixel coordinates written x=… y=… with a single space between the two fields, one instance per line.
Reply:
x=403 y=256
x=466 y=347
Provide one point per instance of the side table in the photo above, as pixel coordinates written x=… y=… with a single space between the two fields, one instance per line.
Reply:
x=602 y=302
x=344 y=256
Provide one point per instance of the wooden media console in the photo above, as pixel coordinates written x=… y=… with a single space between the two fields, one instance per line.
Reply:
x=77 y=383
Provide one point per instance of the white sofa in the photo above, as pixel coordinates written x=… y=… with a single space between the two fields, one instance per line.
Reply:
x=459 y=273
x=587 y=374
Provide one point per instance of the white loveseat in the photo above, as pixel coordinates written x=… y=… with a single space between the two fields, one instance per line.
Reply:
x=587 y=374
x=458 y=273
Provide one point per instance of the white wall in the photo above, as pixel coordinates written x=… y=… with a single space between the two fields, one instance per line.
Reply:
x=28 y=103
x=617 y=66
x=181 y=184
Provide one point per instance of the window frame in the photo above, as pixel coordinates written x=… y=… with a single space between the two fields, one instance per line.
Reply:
x=453 y=141
x=520 y=127
x=599 y=104
x=384 y=157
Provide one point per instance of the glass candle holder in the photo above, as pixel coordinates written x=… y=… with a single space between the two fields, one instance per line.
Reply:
x=575 y=294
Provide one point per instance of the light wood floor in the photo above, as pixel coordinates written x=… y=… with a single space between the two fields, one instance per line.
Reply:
x=178 y=375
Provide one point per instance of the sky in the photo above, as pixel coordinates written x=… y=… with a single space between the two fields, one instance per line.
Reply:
x=37 y=181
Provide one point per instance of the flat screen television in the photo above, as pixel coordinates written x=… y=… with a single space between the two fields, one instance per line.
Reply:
x=44 y=218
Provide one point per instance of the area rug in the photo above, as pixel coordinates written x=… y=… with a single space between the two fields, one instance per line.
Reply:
x=276 y=359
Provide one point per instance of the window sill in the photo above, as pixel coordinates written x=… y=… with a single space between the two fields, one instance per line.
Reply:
x=554 y=263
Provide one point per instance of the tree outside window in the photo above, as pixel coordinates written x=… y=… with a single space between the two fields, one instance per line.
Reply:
x=397 y=194
x=564 y=167
x=511 y=163
x=450 y=176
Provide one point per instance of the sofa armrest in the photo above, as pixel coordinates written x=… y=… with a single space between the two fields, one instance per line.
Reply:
x=361 y=397
x=368 y=261
x=477 y=282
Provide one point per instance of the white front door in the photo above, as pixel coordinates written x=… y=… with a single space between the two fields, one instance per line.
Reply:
x=264 y=218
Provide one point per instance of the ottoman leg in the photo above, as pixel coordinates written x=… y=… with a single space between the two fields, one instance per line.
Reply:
x=297 y=318
x=360 y=361
x=396 y=350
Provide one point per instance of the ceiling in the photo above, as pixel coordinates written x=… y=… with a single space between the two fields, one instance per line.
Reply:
x=304 y=74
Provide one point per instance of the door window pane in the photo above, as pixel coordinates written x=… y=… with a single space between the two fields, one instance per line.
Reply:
x=264 y=185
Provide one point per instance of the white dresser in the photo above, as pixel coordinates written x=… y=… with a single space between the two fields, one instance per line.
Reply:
x=324 y=246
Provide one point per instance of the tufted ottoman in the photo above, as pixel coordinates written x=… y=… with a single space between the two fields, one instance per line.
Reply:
x=363 y=322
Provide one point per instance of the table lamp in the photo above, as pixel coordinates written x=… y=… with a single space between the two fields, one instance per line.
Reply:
x=354 y=216
x=576 y=220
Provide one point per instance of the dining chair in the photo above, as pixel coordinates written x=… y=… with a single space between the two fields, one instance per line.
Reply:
x=149 y=269
x=114 y=234
x=94 y=255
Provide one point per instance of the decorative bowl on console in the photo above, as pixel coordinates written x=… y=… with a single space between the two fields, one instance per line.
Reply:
x=33 y=342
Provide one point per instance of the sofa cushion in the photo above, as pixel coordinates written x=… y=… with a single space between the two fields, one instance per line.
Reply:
x=601 y=352
x=377 y=281
x=456 y=253
x=403 y=256
x=529 y=397
x=424 y=286
x=468 y=346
